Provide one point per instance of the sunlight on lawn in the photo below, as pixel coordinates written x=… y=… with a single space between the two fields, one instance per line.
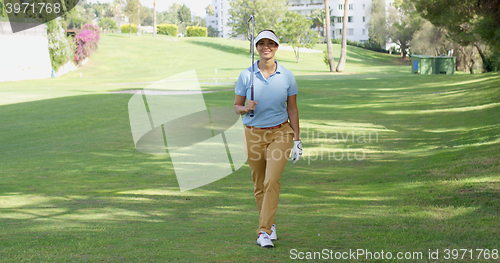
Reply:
x=169 y=192
x=459 y=109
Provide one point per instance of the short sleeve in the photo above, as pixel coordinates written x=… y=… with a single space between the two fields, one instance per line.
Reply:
x=293 y=89
x=241 y=87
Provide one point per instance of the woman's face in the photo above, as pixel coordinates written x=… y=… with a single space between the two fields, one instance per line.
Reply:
x=266 y=48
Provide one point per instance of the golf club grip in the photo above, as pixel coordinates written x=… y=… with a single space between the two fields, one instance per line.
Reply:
x=251 y=113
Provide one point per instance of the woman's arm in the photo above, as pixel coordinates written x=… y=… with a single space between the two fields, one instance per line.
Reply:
x=239 y=105
x=293 y=115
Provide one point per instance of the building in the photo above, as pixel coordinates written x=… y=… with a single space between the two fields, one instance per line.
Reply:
x=220 y=18
x=358 y=13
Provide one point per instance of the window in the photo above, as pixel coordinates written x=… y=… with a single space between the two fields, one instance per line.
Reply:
x=339 y=19
x=341 y=7
x=339 y=32
x=351 y=6
x=364 y=31
x=216 y=14
x=222 y=13
x=350 y=31
x=222 y=21
x=221 y=7
x=364 y=19
x=363 y=6
x=350 y=19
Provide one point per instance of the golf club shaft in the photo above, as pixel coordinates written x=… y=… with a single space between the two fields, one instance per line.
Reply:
x=251 y=87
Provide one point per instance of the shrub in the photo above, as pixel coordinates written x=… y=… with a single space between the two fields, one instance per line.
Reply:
x=212 y=32
x=60 y=49
x=167 y=29
x=196 y=31
x=126 y=28
x=108 y=24
x=370 y=45
x=86 y=42
x=492 y=62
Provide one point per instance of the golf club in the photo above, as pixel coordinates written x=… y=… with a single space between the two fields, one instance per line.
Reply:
x=251 y=82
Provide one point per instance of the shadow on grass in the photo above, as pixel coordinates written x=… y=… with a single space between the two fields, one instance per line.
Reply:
x=222 y=47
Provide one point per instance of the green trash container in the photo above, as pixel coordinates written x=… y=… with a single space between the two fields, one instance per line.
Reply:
x=421 y=64
x=445 y=65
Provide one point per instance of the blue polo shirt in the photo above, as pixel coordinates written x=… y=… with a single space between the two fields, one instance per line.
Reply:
x=271 y=95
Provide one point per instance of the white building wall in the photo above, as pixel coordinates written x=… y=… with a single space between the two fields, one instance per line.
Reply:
x=24 y=55
x=359 y=14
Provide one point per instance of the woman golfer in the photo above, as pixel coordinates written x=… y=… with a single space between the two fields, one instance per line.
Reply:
x=272 y=132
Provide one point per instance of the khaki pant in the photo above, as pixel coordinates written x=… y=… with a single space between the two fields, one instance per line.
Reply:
x=267 y=154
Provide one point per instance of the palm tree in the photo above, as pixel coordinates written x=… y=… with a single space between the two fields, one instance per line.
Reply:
x=210 y=10
x=331 y=62
x=318 y=19
x=343 y=50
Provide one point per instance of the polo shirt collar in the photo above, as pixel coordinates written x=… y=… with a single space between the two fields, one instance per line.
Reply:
x=279 y=68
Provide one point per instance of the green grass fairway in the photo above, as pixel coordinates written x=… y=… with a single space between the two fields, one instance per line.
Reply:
x=392 y=162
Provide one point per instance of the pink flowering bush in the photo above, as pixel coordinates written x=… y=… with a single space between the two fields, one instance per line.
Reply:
x=86 y=42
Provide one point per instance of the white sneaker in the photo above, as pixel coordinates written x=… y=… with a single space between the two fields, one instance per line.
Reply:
x=264 y=240
x=273 y=235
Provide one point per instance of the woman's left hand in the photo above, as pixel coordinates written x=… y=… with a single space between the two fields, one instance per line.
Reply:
x=296 y=150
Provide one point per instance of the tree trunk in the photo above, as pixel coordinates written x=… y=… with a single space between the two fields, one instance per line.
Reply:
x=403 y=50
x=341 y=65
x=154 y=20
x=138 y=33
x=298 y=50
x=481 y=54
x=329 y=38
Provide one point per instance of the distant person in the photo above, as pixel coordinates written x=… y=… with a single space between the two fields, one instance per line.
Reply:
x=272 y=132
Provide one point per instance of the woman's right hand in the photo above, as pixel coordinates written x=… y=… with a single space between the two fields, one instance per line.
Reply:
x=250 y=105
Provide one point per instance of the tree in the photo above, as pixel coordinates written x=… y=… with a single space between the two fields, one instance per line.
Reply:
x=294 y=30
x=131 y=10
x=267 y=14
x=404 y=22
x=118 y=9
x=431 y=40
x=468 y=22
x=199 y=21
x=184 y=14
x=343 y=50
x=331 y=62
x=3 y=12
x=146 y=16
x=378 y=29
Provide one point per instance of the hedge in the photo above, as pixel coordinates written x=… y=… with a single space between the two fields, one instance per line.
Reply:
x=167 y=29
x=196 y=31
x=125 y=28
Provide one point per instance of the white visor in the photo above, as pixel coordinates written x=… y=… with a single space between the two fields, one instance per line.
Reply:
x=268 y=35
